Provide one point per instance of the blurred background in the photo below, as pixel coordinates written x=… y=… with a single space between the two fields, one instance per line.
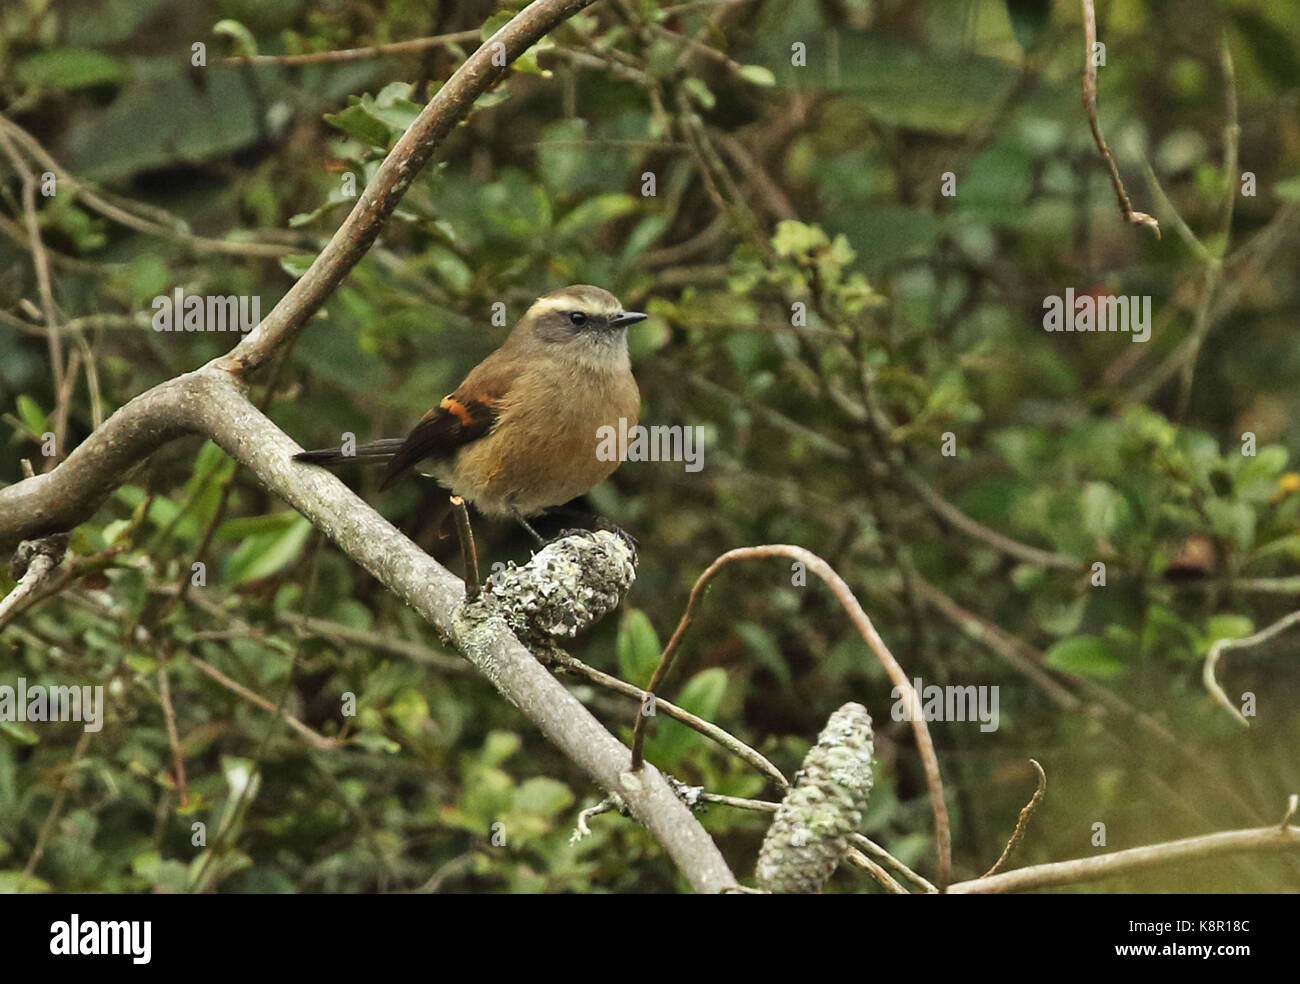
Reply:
x=843 y=217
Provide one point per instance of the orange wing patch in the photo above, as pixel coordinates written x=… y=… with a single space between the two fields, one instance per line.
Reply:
x=441 y=432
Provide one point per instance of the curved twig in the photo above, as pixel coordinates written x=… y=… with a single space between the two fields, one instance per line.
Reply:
x=1223 y=645
x=925 y=744
x=1022 y=822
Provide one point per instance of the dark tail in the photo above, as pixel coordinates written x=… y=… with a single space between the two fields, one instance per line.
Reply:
x=374 y=453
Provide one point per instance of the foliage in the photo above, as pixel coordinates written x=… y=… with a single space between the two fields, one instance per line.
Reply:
x=829 y=317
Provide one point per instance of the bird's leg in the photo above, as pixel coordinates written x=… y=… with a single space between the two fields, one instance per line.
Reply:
x=519 y=518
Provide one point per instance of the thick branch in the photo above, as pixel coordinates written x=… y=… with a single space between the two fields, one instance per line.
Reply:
x=69 y=494
x=210 y=403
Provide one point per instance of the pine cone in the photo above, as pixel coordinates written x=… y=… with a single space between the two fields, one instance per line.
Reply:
x=811 y=831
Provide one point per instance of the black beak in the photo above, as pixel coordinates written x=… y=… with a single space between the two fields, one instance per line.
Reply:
x=627 y=318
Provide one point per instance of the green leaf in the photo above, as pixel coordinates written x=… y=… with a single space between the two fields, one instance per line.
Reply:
x=361 y=124
x=31 y=415
x=673 y=740
x=264 y=554
x=393 y=106
x=14 y=882
x=584 y=221
x=699 y=92
x=542 y=796
x=171 y=877
x=66 y=69
x=409 y=711
x=1163 y=627
x=757 y=75
x=246 y=526
x=297 y=264
x=764 y=649
x=1102 y=510
x=794 y=238
x=499 y=746
x=1288 y=190
x=1087 y=656
x=19 y=732
x=703 y=693
x=1260 y=469
x=1059 y=616
x=454 y=271
x=1288 y=545
x=1225 y=627
x=1233 y=520
x=637 y=647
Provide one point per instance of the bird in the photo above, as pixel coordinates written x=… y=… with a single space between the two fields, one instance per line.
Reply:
x=522 y=433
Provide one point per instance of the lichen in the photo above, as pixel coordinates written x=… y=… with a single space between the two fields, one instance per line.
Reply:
x=568 y=585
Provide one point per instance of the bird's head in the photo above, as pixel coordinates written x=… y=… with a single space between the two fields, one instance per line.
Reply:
x=580 y=318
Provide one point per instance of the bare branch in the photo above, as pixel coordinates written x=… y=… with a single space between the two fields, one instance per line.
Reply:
x=33 y=566
x=925 y=744
x=1134 y=859
x=413 y=46
x=1090 y=106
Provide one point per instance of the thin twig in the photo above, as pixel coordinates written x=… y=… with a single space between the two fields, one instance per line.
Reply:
x=814 y=563
x=1022 y=822
x=355 y=54
x=1231 y=136
x=314 y=738
x=468 y=554
x=707 y=728
x=41 y=264
x=65 y=783
x=1005 y=645
x=882 y=877
x=869 y=846
x=127 y=212
x=1003 y=544
x=1223 y=645
x=1090 y=107
x=173 y=737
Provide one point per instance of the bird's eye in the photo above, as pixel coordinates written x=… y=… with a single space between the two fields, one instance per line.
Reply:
x=577 y=319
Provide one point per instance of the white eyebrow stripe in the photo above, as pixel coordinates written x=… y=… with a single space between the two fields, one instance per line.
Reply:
x=549 y=305
x=574 y=302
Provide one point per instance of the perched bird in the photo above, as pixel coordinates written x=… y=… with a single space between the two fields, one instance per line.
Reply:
x=521 y=433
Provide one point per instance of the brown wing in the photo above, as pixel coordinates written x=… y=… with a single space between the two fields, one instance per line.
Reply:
x=450 y=425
